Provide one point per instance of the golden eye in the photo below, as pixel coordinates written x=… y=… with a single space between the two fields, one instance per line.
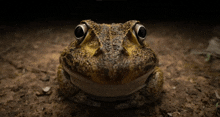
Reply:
x=80 y=32
x=140 y=32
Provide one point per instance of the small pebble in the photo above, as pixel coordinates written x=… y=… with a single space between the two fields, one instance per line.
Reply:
x=46 y=89
x=170 y=114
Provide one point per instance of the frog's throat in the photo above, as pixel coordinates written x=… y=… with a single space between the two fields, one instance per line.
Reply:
x=104 y=90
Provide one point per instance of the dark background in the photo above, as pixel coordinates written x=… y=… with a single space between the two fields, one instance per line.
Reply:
x=109 y=10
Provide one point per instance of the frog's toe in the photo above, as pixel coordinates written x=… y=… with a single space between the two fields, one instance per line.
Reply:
x=136 y=100
x=123 y=106
x=81 y=98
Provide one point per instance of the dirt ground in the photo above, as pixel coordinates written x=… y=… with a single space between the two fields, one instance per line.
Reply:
x=29 y=55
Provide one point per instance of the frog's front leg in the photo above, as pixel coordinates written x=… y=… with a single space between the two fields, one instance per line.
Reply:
x=150 y=93
x=72 y=92
x=67 y=89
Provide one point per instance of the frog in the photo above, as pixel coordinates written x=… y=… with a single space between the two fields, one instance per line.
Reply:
x=110 y=63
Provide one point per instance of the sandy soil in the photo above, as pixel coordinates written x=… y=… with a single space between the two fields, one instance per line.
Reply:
x=29 y=58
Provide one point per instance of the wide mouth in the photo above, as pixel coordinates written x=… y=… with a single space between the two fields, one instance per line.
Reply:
x=106 y=90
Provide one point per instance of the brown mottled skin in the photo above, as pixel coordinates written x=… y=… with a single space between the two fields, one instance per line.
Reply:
x=111 y=54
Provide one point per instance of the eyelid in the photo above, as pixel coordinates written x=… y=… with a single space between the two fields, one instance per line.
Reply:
x=136 y=30
x=81 y=33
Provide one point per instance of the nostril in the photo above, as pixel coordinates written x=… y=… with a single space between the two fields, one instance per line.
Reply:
x=116 y=47
x=124 y=51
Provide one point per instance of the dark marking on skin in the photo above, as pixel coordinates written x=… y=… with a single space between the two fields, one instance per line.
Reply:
x=72 y=50
x=124 y=51
x=106 y=73
x=76 y=64
x=69 y=57
x=147 y=68
x=66 y=74
x=66 y=64
x=120 y=73
x=155 y=58
x=149 y=79
x=98 y=52
x=115 y=47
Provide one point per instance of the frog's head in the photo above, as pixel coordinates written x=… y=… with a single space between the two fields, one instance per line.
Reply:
x=109 y=53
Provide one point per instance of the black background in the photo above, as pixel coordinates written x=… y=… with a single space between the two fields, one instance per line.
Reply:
x=109 y=10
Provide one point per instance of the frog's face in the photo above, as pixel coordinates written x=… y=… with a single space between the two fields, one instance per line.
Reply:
x=109 y=53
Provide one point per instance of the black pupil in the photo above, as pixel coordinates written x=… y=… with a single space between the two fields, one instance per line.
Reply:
x=142 y=32
x=79 y=32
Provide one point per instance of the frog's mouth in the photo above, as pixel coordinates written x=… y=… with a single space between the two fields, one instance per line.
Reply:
x=105 y=90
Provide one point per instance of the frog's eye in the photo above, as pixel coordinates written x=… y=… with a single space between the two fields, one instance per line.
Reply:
x=140 y=32
x=80 y=31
